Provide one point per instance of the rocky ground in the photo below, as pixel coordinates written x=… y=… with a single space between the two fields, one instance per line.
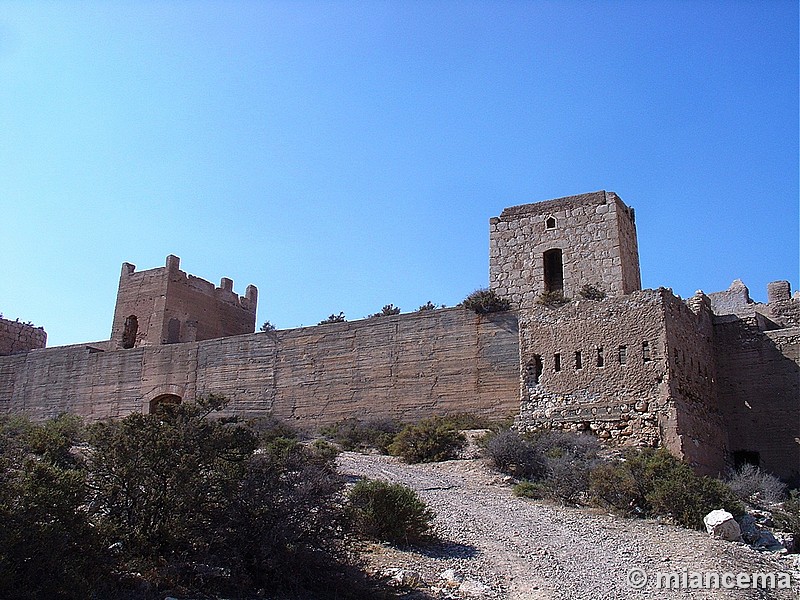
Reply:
x=495 y=545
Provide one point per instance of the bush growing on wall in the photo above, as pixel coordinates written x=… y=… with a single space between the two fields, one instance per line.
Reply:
x=340 y=318
x=591 y=292
x=485 y=301
x=552 y=299
x=387 y=311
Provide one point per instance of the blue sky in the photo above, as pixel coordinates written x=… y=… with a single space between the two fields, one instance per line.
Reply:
x=345 y=155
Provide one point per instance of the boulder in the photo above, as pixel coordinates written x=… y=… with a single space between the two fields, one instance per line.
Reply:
x=721 y=524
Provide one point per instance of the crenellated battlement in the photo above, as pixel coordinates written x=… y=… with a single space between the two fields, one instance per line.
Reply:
x=166 y=306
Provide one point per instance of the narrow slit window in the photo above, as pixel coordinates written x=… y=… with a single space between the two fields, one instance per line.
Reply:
x=557 y=362
x=623 y=355
x=534 y=370
x=645 y=351
x=600 y=359
x=578 y=360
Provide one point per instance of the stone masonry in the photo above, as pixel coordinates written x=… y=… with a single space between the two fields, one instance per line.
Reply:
x=714 y=378
x=16 y=337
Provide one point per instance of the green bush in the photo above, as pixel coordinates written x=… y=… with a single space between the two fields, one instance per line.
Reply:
x=654 y=483
x=787 y=518
x=531 y=489
x=389 y=512
x=358 y=435
x=429 y=306
x=430 y=440
x=485 y=301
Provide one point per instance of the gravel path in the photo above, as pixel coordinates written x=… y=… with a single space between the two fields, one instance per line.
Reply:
x=510 y=548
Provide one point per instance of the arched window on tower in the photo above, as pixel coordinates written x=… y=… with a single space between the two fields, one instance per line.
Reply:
x=550 y=223
x=553 y=271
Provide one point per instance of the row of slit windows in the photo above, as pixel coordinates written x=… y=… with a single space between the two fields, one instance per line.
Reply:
x=536 y=366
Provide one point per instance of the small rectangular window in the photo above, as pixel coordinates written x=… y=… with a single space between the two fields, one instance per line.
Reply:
x=646 y=351
x=557 y=361
x=578 y=360
x=623 y=355
x=600 y=359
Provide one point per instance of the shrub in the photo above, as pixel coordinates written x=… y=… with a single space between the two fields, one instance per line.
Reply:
x=568 y=476
x=340 y=318
x=787 y=518
x=591 y=292
x=552 y=299
x=430 y=440
x=387 y=311
x=755 y=486
x=653 y=482
x=267 y=327
x=530 y=489
x=389 y=512
x=429 y=306
x=513 y=455
x=354 y=434
x=485 y=301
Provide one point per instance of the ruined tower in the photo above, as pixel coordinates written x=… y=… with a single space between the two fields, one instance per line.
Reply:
x=562 y=245
x=167 y=306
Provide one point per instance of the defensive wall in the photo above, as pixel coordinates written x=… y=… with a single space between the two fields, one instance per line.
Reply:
x=16 y=337
x=405 y=366
x=714 y=378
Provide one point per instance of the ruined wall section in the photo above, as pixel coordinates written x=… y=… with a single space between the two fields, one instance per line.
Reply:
x=758 y=379
x=595 y=234
x=405 y=366
x=167 y=306
x=602 y=368
x=16 y=337
x=700 y=433
x=609 y=367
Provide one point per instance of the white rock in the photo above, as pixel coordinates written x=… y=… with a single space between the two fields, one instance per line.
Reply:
x=473 y=588
x=403 y=577
x=721 y=524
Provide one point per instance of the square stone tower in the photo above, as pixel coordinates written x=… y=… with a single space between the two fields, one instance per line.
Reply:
x=562 y=245
x=167 y=306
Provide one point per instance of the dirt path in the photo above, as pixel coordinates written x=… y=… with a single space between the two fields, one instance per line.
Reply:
x=515 y=549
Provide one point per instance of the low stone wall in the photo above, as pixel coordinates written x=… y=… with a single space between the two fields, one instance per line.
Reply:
x=18 y=337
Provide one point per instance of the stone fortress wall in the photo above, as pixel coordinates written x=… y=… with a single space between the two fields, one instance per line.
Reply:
x=714 y=378
x=16 y=337
x=405 y=366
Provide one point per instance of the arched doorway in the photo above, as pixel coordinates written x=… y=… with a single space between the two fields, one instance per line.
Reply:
x=163 y=400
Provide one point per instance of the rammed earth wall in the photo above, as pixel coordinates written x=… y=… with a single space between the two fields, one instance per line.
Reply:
x=405 y=366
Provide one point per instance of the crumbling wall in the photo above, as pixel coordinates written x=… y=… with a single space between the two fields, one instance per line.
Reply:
x=758 y=374
x=405 y=366
x=18 y=337
x=636 y=370
x=603 y=368
x=595 y=234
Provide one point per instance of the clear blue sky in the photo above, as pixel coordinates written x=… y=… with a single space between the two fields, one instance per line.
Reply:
x=345 y=155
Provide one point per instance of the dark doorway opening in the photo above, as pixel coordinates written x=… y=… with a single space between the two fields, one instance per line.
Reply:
x=746 y=457
x=553 y=271
x=157 y=404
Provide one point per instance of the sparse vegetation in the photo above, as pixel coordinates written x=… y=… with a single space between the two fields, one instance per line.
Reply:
x=340 y=318
x=355 y=434
x=484 y=301
x=387 y=311
x=267 y=327
x=591 y=292
x=513 y=455
x=389 y=512
x=755 y=486
x=552 y=299
x=430 y=440
x=429 y=306
x=787 y=518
